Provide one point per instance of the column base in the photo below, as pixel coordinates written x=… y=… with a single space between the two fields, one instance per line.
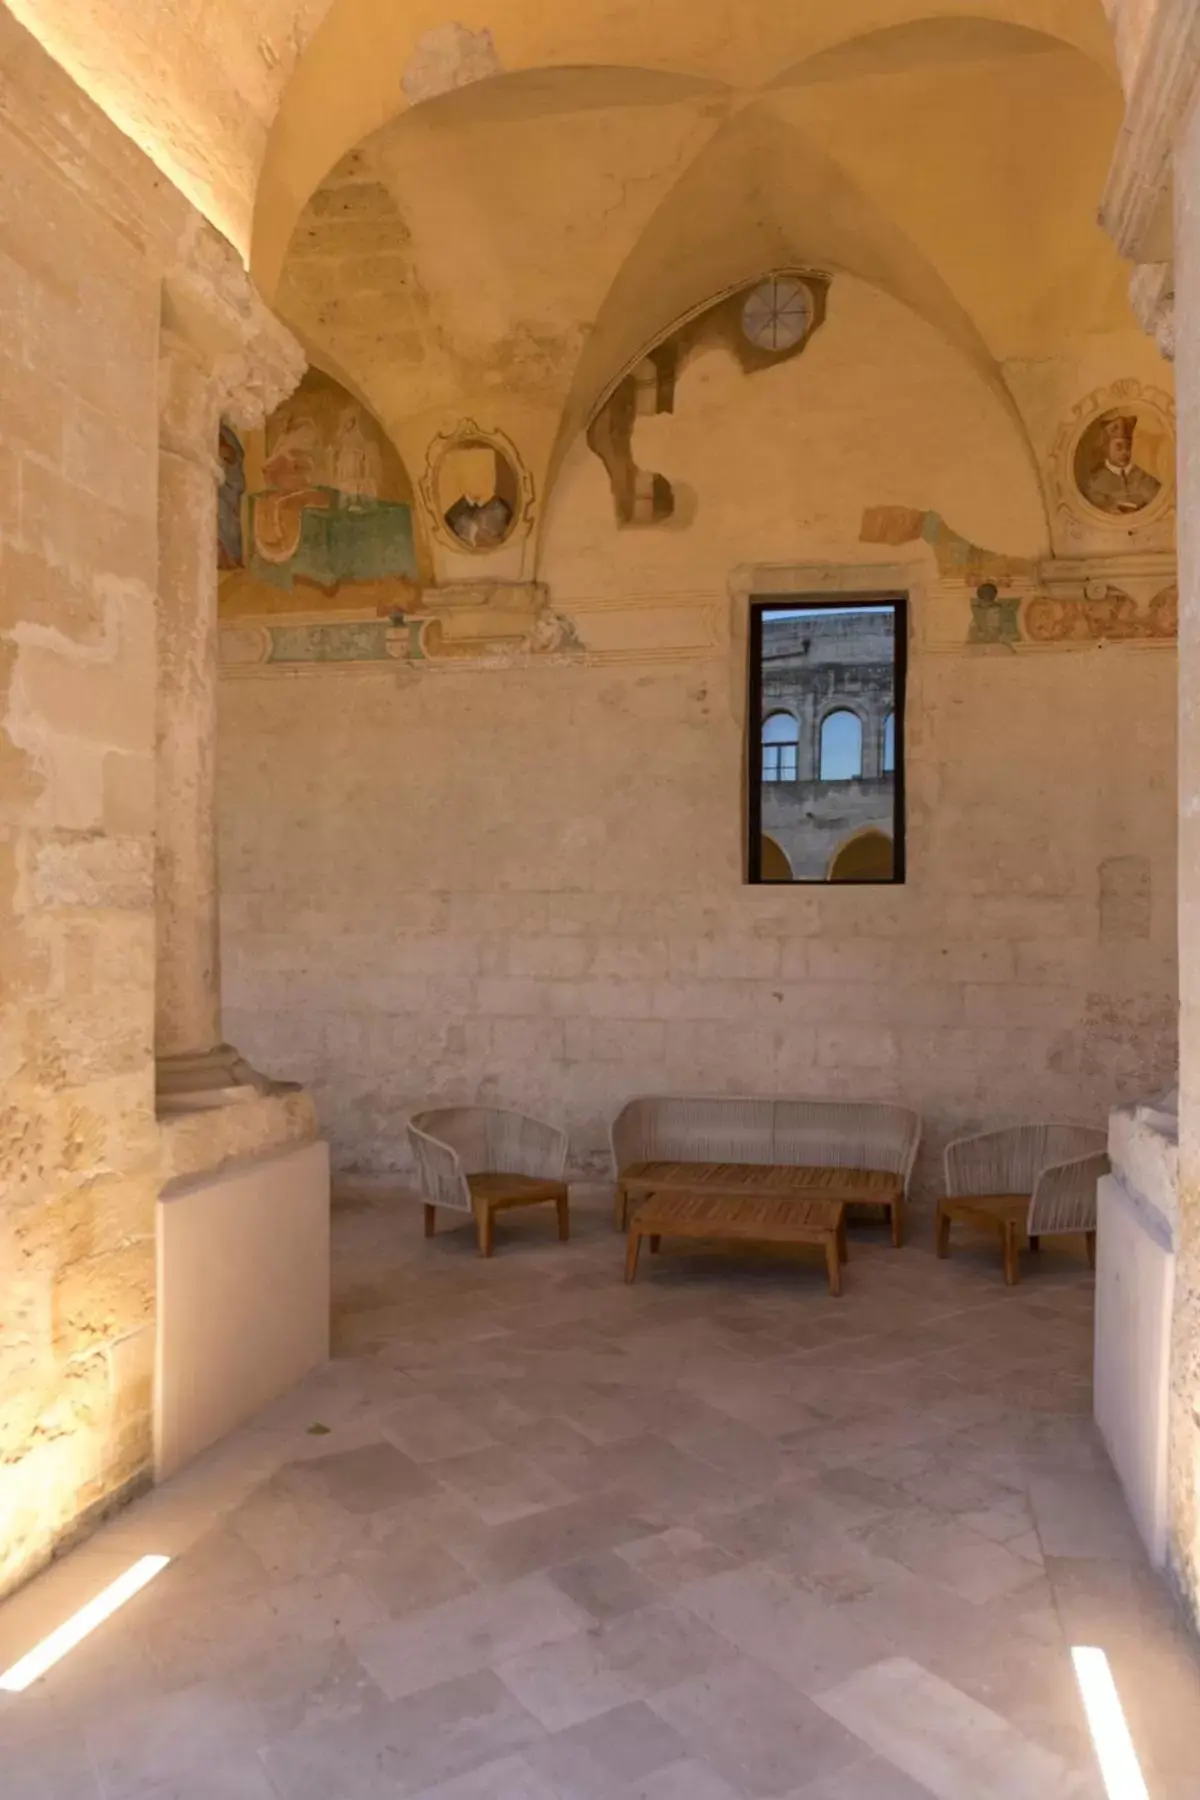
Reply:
x=217 y=1077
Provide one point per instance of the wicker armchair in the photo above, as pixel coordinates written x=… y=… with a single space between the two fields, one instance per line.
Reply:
x=1036 y=1180
x=480 y=1160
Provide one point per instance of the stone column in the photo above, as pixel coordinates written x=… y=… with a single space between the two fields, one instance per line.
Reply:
x=187 y=997
x=1184 y=1472
x=1151 y=208
x=222 y=355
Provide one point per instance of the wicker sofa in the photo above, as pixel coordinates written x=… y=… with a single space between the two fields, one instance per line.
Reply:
x=863 y=1136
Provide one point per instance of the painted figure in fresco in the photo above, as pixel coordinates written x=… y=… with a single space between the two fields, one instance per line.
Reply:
x=479 y=514
x=230 y=551
x=1108 y=476
x=319 y=518
x=481 y=524
x=291 y=463
x=357 y=464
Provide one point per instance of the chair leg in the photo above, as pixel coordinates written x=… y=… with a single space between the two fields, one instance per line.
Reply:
x=1035 y=1244
x=655 y=1243
x=1012 y=1256
x=943 y=1232
x=620 y=1209
x=430 y=1220
x=1090 y=1239
x=485 y=1227
x=843 y=1251
x=631 y=1254
x=897 y=1210
x=563 y=1206
x=833 y=1264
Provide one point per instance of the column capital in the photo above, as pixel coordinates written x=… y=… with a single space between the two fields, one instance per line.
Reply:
x=215 y=320
x=1136 y=207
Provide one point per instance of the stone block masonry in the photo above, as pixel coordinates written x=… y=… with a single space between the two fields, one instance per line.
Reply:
x=86 y=225
x=421 y=905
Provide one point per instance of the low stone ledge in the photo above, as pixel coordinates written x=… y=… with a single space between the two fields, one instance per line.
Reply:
x=205 y=1139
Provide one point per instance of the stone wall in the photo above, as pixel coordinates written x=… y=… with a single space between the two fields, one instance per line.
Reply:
x=524 y=883
x=85 y=219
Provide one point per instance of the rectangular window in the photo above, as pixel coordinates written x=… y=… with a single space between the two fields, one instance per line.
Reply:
x=826 y=738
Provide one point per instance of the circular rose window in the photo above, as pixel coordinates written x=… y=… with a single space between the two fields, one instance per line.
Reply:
x=777 y=314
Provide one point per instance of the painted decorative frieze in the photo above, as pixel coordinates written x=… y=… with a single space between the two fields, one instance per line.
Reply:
x=989 y=600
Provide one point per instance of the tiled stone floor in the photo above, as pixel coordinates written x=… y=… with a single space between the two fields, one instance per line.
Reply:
x=716 y=1537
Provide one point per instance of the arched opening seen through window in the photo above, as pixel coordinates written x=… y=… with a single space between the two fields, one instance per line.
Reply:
x=780 y=747
x=841 y=747
x=887 y=764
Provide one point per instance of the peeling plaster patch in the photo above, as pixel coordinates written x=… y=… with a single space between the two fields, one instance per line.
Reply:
x=448 y=57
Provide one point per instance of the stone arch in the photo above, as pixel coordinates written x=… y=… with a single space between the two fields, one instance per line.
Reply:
x=868 y=855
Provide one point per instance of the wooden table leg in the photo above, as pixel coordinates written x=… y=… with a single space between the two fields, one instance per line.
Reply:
x=655 y=1242
x=485 y=1226
x=430 y=1220
x=631 y=1252
x=1012 y=1255
x=843 y=1250
x=943 y=1232
x=833 y=1263
x=1090 y=1238
x=897 y=1211
x=563 y=1204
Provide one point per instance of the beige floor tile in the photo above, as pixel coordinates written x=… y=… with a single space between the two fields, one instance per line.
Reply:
x=55 y=1768
x=605 y=1585
x=405 y=1746
x=942 y=1739
x=511 y=1778
x=759 y=1734
x=429 y=1429
x=630 y=1658
x=686 y=1780
x=594 y=1760
x=173 y=1737
x=671 y=1558
x=459 y=1637
x=807 y=1643
x=893 y=1467
x=560 y=1534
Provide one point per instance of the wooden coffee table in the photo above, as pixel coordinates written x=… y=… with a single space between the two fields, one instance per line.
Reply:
x=850 y=1187
x=742 y=1218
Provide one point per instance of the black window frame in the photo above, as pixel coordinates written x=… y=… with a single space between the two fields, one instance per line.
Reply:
x=764 y=603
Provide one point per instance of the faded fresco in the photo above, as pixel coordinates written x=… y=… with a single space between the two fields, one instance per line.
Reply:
x=1107 y=471
x=332 y=504
x=763 y=325
x=1111 y=469
x=1060 y=603
x=230 y=541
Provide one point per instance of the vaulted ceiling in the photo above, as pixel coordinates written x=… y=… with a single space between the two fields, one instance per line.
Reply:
x=500 y=210
x=249 y=103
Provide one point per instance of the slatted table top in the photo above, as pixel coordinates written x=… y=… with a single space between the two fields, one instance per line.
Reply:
x=758 y=1179
x=769 y=1219
x=513 y=1190
x=988 y=1209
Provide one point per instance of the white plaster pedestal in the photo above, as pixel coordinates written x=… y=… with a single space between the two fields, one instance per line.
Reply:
x=243 y=1267
x=1135 y=1291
